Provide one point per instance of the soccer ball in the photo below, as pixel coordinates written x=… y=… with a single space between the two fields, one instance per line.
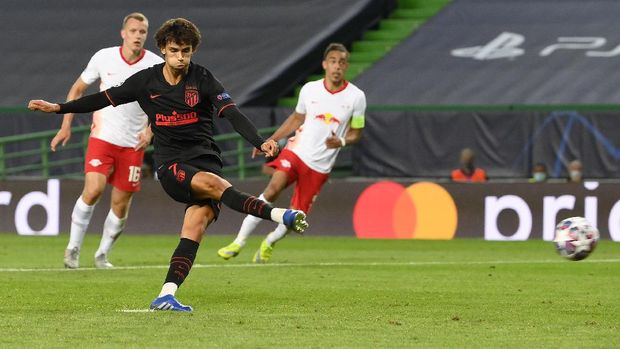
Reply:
x=575 y=238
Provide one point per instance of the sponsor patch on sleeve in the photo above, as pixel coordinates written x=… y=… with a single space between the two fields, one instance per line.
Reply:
x=223 y=96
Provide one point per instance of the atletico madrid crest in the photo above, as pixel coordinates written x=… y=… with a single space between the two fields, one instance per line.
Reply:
x=191 y=97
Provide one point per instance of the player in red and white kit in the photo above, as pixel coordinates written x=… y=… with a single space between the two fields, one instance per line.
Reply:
x=329 y=115
x=117 y=140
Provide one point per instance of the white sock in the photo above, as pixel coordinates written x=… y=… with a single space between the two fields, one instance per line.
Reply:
x=277 y=234
x=249 y=224
x=82 y=213
x=168 y=288
x=277 y=215
x=112 y=228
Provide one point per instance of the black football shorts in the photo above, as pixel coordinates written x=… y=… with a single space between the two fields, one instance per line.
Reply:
x=176 y=179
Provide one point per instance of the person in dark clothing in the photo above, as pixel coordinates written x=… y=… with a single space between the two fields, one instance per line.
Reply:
x=468 y=172
x=181 y=100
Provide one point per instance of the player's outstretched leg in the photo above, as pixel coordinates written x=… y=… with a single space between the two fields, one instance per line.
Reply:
x=263 y=255
x=80 y=217
x=112 y=229
x=242 y=202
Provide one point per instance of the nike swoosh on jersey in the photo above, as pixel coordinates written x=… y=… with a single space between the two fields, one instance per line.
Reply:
x=153 y=96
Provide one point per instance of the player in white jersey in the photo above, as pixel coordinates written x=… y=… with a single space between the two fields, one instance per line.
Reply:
x=117 y=140
x=329 y=115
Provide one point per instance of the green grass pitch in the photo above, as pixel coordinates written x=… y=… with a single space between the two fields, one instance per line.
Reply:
x=318 y=292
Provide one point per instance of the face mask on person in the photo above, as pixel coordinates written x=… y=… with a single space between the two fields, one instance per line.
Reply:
x=575 y=176
x=539 y=176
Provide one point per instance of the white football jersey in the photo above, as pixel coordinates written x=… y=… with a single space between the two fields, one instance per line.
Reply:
x=327 y=113
x=117 y=125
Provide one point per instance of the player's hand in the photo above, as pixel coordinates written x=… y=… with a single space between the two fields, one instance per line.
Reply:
x=256 y=152
x=333 y=141
x=44 y=106
x=144 y=139
x=63 y=135
x=270 y=148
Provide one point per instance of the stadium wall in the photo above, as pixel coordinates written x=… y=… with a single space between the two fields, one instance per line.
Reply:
x=414 y=141
x=363 y=208
x=425 y=141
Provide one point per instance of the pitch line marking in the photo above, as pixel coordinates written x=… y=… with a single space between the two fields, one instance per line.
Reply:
x=134 y=311
x=323 y=264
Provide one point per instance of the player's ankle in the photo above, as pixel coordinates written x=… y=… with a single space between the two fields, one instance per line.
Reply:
x=169 y=288
x=277 y=215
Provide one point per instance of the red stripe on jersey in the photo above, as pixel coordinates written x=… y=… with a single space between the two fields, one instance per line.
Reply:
x=344 y=85
x=109 y=99
x=142 y=53
x=224 y=107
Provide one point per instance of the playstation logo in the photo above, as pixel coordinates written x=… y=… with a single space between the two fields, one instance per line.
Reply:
x=505 y=45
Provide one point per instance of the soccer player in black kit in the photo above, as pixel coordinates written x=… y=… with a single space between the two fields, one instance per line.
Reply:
x=181 y=100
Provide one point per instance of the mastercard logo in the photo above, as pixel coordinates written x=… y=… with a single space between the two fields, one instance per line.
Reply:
x=388 y=210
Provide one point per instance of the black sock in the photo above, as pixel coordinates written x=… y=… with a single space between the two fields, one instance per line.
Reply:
x=246 y=203
x=182 y=261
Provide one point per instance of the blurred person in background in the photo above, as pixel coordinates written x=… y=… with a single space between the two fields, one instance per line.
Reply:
x=575 y=171
x=539 y=173
x=468 y=172
x=116 y=144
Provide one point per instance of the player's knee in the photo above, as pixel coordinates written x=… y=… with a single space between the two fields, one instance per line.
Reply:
x=91 y=195
x=120 y=204
x=120 y=210
x=209 y=183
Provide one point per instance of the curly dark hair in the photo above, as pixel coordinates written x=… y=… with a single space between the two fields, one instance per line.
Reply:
x=179 y=31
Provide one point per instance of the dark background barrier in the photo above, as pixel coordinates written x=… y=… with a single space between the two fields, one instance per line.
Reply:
x=495 y=211
x=410 y=143
x=405 y=142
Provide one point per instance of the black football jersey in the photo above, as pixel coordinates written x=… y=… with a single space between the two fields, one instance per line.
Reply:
x=181 y=116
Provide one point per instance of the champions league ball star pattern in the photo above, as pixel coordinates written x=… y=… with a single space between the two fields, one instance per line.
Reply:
x=575 y=238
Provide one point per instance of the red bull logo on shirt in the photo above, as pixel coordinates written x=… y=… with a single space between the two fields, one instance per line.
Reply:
x=327 y=118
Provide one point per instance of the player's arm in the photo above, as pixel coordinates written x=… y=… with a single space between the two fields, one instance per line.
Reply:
x=292 y=123
x=227 y=108
x=247 y=130
x=144 y=138
x=355 y=127
x=125 y=93
x=64 y=133
x=295 y=120
x=81 y=105
x=352 y=136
